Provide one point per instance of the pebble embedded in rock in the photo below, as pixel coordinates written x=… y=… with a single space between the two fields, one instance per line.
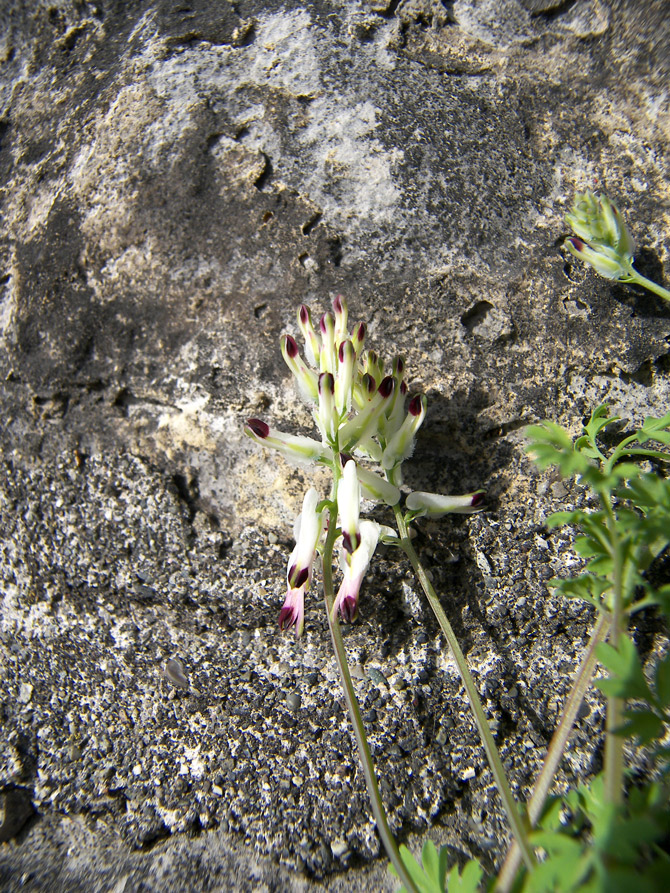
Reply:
x=293 y=701
x=175 y=673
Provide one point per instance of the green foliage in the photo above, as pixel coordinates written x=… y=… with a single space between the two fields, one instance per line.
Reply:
x=431 y=876
x=592 y=839
x=631 y=526
x=591 y=844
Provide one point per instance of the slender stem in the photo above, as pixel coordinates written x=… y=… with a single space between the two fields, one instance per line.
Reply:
x=355 y=713
x=513 y=815
x=652 y=454
x=614 y=761
x=556 y=749
x=620 y=448
x=639 y=279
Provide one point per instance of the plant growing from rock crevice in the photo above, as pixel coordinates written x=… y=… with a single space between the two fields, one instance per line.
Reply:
x=603 y=835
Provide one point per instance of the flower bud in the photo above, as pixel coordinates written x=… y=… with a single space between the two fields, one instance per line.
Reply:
x=328 y=356
x=601 y=236
x=401 y=445
x=306 y=377
x=364 y=424
x=327 y=416
x=358 y=338
x=604 y=260
x=312 y=340
x=341 y=311
x=345 y=376
x=376 y=487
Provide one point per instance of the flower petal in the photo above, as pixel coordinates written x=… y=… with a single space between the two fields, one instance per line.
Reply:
x=433 y=505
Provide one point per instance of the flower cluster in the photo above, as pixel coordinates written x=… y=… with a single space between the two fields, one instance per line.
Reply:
x=601 y=237
x=362 y=413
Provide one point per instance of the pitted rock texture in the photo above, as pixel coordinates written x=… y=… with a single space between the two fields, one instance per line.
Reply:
x=175 y=179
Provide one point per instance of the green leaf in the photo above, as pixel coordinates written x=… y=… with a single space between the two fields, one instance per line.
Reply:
x=466 y=881
x=587 y=546
x=602 y=565
x=558 y=519
x=565 y=867
x=655 y=429
x=429 y=877
x=642 y=724
x=599 y=420
x=626 y=678
x=625 y=471
x=586 y=586
x=548 y=432
x=431 y=865
x=414 y=870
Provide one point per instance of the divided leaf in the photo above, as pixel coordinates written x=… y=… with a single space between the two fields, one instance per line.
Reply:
x=626 y=679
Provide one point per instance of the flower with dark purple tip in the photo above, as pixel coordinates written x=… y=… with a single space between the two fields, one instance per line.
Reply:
x=354 y=566
x=349 y=505
x=293 y=612
x=434 y=505
x=294 y=446
x=308 y=529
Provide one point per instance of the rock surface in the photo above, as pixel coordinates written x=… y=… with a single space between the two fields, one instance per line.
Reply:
x=175 y=180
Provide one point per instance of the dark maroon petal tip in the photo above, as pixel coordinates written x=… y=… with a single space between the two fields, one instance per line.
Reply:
x=304 y=314
x=326 y=322
x=350 y=543
x=369 y=383
x=415 y=406
x=298 y=576
x=337 y=304
x=260 y=429
x=348 y=609
x=386 y=387
x=287 y=618
x=477 y=499
x=326 y=383
x=361 y=331
x=344 y=458
x=340 y=353
x=291 y=346
x=403 y=388
x=576 y=243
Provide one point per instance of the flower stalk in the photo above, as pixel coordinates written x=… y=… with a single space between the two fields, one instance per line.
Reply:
x=516 y=820
x=361 y=414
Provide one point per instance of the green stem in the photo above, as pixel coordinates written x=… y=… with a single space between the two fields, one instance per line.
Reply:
x=639 y=279
x=652 y=454
x=354 y=711
x=513 y=815
x=556 y=749
x=614 y=761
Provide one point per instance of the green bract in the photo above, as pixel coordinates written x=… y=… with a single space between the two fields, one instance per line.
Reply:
x=602 y=240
